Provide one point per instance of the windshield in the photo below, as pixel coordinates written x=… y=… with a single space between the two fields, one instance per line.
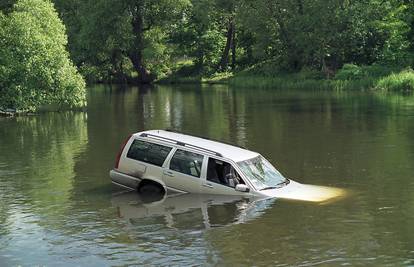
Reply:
x=262 y=174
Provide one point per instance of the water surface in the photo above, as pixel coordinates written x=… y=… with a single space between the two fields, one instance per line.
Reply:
x=58 y=207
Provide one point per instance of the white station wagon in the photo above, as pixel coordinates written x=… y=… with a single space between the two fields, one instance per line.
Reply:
x=164 y=160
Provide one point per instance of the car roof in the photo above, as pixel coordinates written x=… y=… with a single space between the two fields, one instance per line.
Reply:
x=232 y=152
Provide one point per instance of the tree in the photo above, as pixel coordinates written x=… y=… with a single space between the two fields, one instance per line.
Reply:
x=99 y=36
x=325 y=33
x=395 y=26
x=35 y=69
x=119 y=36
x=228 y=10
x=143 y=38
x=200 y=35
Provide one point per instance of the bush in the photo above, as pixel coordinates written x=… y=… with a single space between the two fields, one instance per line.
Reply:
x=92 y=74
x=350 y=72
x=403 y=81
x=266 y=68
x=35 y=69
x=355 y=72
x=182 y=71
x=377 y=71
x=272 y=68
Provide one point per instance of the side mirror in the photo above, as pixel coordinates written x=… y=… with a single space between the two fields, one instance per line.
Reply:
x=242 y=188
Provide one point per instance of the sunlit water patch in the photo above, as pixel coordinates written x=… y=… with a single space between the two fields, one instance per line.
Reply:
x=314 y=193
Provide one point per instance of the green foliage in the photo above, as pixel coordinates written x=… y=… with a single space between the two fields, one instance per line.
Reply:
x=349 y=77
x=102 y=36
x=35 y=69
x=93 y=74
x=395 y=28
x=291 y=82
x=218 y=77
x=402 y=81
x=271 y=68
x=350 y=72
x=6 y=5
x=182 y=71
x=201 y=35
x=211 y=43
x=264 y=68
x=355 y=72
x=99 y=36
x=326 y=33
x=271 y=37
x=156 y=52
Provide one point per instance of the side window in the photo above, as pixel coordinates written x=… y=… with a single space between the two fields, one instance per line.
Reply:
x=222 y=172
x=187 y=162
x=148 y=152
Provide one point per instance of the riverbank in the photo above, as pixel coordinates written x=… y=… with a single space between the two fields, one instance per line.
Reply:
x=7 y=113
x=13 y=113
x=350 y=77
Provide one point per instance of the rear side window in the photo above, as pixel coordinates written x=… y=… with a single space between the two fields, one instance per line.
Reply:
x=187 y=162
x=148 y=152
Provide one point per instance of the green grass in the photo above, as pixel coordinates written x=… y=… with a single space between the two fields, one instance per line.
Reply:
x=402 y=81
x=174 y=79
x=182 y=71
x=351 y=77
x=187 y=73
x=268 y=75
x=276 y=82
x=217 y=78
x=355 y=72
x=293 y=82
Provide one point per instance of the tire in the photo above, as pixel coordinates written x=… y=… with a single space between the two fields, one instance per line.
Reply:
x=150 y=188
x=150 y=192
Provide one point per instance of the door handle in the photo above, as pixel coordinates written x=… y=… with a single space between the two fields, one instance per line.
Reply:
x=208 y=185
x=169 y=173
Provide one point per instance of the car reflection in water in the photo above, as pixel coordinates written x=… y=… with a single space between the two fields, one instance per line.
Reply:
x=189 y=210
x=206 y=211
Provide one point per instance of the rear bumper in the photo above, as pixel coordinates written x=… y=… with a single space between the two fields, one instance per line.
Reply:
x=124 y=180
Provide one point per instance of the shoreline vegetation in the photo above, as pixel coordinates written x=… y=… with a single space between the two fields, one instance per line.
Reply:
x=50 y=49
x=350 y=77
x=35 y=68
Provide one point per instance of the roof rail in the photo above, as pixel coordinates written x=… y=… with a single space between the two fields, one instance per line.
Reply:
x=208 y=138
x=181 y=143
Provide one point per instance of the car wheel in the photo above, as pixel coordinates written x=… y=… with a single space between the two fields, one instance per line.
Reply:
x=150 y=189
x=150 y=192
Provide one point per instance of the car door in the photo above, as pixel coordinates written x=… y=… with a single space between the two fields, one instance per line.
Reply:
x=183 y=172
x=144 y=160
x=215 y=182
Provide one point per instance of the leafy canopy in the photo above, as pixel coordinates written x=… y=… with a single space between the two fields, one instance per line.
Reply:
x=35 y=69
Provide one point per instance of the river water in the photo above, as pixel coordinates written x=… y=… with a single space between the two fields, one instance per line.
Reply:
x=58 y=207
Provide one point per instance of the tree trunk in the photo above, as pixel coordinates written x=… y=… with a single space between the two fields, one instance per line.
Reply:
x=233 y=49
x=117 y=73
x=144 y=76
x=135 y=52
x=300 y=6
x=225 y=56
x=199 y=63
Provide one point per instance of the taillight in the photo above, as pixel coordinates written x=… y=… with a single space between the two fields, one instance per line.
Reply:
x=118 y=157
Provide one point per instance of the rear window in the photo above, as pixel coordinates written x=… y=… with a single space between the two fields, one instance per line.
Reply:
x=148 y=152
